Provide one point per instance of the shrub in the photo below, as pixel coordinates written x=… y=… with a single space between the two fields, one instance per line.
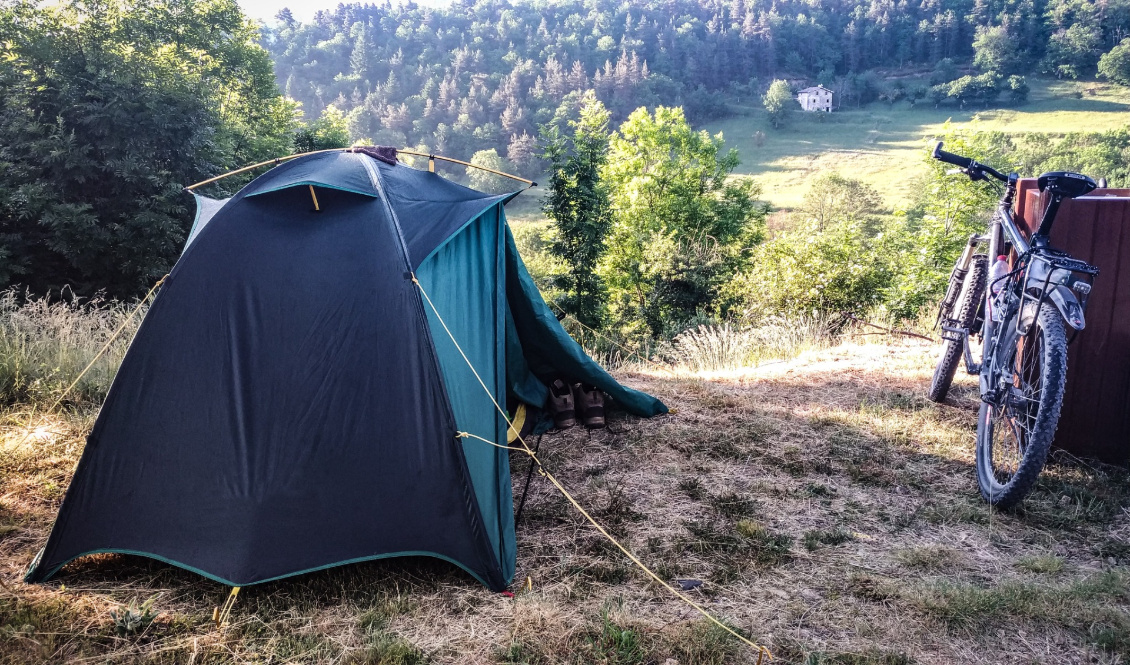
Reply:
x=810 y=271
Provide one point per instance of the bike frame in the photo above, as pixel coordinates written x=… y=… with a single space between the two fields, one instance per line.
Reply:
x=1038 y=282
x=1005 y=237
x=1003 y=234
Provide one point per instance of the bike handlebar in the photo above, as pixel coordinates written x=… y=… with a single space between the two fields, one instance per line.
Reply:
x=950 y=158
x=971 y=167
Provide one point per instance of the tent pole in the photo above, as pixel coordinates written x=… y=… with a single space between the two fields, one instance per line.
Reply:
x=431 y=166
x=432 y=158
x=245 y=169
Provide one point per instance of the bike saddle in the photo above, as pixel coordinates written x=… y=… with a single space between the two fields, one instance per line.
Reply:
x=1066 y=184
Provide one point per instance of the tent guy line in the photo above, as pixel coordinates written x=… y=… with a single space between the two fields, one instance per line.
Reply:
x=762 y=650
x=106 y=346
x=101 y=352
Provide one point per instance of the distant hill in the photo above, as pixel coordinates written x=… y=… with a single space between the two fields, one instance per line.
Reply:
x=485 y=73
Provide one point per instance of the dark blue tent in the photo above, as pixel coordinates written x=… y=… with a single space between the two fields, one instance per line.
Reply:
x=291 y=403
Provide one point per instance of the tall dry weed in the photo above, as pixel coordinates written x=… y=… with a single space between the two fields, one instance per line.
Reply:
x=729 y=347
x=45 y=344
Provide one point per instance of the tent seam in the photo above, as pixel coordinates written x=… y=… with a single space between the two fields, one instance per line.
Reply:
x=501 y=198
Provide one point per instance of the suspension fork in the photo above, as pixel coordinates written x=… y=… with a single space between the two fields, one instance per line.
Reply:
x=957 y=278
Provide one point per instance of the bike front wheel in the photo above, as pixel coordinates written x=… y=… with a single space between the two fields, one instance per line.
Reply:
x=1015 y=429
x=972 y=292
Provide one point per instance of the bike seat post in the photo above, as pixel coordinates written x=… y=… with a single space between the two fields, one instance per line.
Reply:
x=1041 y=235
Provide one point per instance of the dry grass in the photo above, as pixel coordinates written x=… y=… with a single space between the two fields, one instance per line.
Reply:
x=713 y=350
x=829 y=509
x=45 y=343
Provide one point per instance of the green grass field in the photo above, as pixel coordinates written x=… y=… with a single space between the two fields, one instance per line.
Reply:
x=882 y=144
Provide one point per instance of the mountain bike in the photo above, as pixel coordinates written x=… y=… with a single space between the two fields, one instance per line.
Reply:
x=1019 y=300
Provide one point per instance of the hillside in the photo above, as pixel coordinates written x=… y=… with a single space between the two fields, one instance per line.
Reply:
x=882 y=143
x=484 y=75
x=829 y=509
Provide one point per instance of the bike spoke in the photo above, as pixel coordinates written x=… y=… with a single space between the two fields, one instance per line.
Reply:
x=1014 y=420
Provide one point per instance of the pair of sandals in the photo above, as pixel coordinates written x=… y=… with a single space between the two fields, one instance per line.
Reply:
x=568 y=402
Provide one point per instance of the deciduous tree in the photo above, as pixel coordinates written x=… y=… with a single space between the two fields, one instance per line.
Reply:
x=778 y=102
x=681 y=222
x=1115 y=64
x=832 y=197
x=109 y=109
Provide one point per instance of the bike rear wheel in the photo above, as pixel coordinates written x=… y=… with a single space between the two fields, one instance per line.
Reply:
x=972 y=292
x=1014 y=433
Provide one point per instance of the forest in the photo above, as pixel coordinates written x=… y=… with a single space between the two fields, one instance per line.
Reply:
x=111 y=107
x=487 y=74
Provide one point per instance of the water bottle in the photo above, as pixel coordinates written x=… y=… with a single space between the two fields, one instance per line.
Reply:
x=996 y=272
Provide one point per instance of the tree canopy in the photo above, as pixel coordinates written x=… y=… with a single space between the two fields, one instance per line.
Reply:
x=680 y=222
x=484 y=74
x=1115 y=65
x=778 y=101
x=109 y=110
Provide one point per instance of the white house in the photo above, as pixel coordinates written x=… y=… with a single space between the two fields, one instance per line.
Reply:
x=816 y=98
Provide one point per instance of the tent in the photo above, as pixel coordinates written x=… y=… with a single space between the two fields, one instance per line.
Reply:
x=291 y=402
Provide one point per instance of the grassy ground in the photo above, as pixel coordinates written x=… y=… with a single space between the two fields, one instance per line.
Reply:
x=882 y=144
x=829 y=509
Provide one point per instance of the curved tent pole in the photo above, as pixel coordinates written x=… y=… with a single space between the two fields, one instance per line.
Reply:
x=474 y=166
x=414 y=153
x=245 y=169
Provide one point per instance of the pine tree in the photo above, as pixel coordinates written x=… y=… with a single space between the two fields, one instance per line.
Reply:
x=362 y=56
x=579 y=206
x=523 y=150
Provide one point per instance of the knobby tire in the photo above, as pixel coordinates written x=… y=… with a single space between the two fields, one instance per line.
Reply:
x=1052 y=376
x=972 y=292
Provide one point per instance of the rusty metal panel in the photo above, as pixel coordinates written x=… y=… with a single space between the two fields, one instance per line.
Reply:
x=1095 y=421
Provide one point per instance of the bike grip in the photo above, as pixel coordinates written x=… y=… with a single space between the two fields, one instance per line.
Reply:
x=950 y=158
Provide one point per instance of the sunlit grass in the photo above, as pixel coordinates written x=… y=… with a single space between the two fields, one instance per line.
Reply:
x=46 y=343
x=882 y=144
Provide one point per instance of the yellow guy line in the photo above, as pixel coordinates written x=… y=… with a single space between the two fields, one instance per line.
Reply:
x=98 y=355
x=762 y=650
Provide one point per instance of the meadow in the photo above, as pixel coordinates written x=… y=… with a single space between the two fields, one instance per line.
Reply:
x=827 y=508
x=882 y=144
